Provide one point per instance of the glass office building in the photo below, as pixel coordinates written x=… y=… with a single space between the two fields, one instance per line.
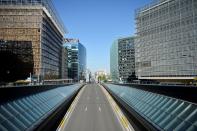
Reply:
x=76 y=59
x=122 y=59
x=32 y=24
x=64 y=69
x=114 y=62
x=166 y=42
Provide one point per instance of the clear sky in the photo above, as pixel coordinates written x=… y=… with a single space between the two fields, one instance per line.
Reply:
x=97 y=23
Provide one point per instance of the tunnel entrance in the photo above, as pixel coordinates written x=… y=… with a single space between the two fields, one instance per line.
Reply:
x=16 y=60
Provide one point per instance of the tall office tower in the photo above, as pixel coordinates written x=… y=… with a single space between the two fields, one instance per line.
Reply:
x=122 y=59
x=166 y=42
x=64 y=70
x=76 y=59
x=114 y=72
x=31 y=38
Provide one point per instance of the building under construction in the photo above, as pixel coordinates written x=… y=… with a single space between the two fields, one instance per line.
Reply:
x=31 y=38
x=166 y=42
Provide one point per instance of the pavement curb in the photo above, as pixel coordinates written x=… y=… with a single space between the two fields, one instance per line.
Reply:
x=70 y=110
x=117 y=111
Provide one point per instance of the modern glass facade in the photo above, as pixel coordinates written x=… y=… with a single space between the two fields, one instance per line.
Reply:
x=16 y=60
x=76 y=59
x=114 y=62
x=82 y=61
x=35 y=21
x=64 y=70
x=46 y=4
x=166 y=42
x=122 y=59
x=126 y=57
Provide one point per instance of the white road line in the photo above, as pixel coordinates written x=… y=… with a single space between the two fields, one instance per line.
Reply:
x=117 y=111
x=86 y=108
x=99 y=108
x=70 y=111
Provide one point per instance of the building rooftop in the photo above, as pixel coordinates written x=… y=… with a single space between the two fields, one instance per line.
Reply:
x=48 y=4
x=153 y=4
x=71 y=40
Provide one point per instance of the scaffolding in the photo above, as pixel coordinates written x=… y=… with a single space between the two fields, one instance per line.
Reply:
x=166 y=42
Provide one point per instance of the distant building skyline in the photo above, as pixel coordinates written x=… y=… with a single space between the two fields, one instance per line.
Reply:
x=97 y=23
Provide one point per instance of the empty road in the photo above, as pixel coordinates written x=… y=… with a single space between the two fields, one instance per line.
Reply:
x=92 y=112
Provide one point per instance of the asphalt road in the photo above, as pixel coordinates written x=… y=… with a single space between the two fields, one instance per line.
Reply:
x=92 y=112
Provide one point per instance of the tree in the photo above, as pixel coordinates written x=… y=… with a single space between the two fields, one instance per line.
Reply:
x=102 y=78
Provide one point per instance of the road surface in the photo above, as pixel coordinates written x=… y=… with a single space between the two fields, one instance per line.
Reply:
x=92 y=112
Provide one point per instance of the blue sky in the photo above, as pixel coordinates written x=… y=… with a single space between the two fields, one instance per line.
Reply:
x=97 y=23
